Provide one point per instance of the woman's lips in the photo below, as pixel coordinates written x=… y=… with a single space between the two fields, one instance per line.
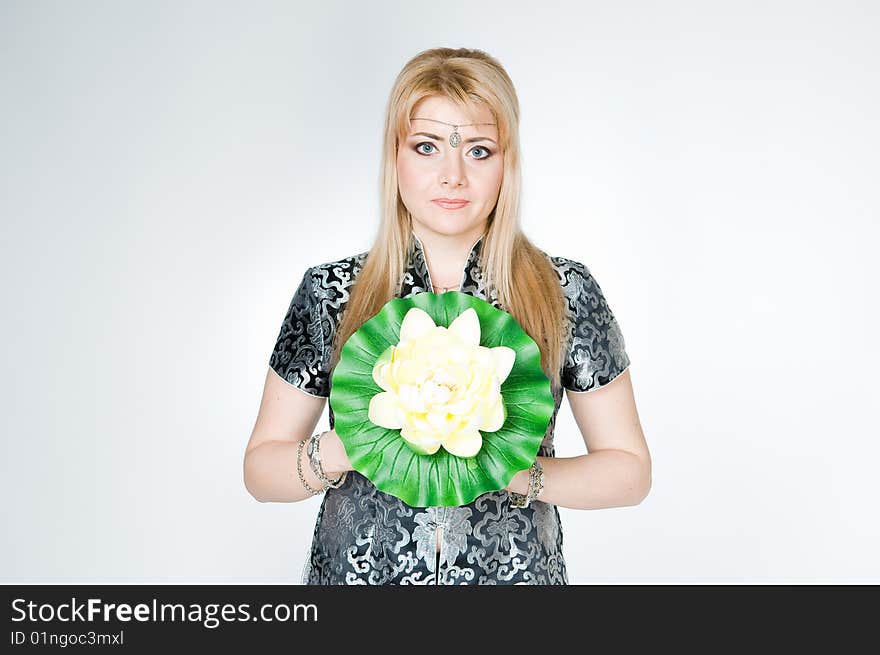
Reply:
x=449 y=204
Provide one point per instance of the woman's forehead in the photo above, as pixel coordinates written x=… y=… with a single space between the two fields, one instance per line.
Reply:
x=440 y=108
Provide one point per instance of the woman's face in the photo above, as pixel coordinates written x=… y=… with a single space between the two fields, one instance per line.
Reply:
x=429 y=169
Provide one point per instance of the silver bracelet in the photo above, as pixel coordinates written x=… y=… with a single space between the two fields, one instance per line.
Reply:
x=315 y=461
x=536 y=485
x=306 y=486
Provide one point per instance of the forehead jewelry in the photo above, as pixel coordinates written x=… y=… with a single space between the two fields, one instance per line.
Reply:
x=455 y=137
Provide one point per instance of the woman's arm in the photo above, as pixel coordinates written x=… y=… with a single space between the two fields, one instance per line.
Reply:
x=616 y=471
x=286 y=417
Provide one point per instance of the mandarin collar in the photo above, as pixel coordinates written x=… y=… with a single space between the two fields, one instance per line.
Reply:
x=418 y=279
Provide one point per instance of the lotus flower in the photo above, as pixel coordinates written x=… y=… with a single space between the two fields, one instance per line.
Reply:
x=391 y=462
x=440 y=386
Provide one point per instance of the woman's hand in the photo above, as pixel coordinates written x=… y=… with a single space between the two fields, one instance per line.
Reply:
x=519 y=483
x=334 y=460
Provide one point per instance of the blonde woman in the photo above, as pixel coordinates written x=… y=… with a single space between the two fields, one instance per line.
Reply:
x=450 y=188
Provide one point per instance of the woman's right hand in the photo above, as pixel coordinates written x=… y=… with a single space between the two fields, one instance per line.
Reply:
x=334 y=459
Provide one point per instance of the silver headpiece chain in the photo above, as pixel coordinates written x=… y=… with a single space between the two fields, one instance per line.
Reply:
x=455 y=137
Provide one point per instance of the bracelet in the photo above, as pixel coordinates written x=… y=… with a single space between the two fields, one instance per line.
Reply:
x=306 y=486
x=536 y=485
x=315 y=461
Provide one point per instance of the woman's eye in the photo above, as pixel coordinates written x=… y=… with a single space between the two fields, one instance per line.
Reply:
x=425 y=143
x=486 y=150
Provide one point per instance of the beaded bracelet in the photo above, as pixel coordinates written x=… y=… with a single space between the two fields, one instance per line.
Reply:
x=315 y=461
x=536 y=485
x=306 y=485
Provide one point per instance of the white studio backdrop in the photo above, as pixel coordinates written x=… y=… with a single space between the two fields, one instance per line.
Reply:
x=169 y=171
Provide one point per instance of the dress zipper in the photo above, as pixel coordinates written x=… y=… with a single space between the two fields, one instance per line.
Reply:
x=439 y=538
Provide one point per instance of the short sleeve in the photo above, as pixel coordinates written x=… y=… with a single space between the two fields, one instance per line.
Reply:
x=299 y=353
x=596 y=353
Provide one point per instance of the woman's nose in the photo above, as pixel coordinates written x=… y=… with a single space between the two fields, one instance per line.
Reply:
x=452 y=170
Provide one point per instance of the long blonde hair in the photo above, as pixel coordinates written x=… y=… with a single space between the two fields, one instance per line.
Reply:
x=524 y=280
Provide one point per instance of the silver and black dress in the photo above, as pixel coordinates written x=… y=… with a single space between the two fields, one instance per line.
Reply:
x=365 y=536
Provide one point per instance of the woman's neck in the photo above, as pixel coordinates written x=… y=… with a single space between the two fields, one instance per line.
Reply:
x=446 y=258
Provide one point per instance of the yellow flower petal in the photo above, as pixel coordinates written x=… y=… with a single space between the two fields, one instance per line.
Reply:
x=420 y=442
x=462 y=406
x=494 y=418
x=416 y=323
x=504 y=358
x=410 y=399
x=406 y=372
x=464 y=443
x=466 y=327
x=381 y=368
x=440 y=421
x=484 y=357
x=383 y=411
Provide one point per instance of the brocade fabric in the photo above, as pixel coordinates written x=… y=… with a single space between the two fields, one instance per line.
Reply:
x=365 y=536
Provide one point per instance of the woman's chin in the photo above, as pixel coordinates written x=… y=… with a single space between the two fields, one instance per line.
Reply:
x=451 y=228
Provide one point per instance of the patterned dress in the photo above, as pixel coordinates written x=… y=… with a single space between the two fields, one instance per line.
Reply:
x=365 y=536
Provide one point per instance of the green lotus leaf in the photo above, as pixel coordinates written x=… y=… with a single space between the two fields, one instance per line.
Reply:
x=440 y=479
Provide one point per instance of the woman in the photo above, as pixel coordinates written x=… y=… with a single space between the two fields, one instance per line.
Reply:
x=450 y=198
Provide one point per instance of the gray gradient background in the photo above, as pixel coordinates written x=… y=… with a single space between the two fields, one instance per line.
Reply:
x=169 y=170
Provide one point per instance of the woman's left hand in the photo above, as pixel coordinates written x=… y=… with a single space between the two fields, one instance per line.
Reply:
x=519 y=483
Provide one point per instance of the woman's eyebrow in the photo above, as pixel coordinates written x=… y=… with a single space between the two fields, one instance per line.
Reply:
x=471 y=140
